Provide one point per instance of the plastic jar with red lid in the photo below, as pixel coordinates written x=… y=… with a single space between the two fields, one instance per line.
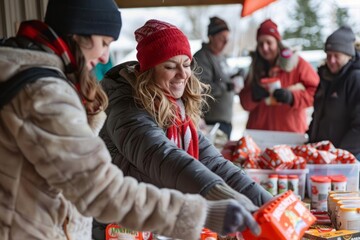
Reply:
x=293 y=184
x=320 y=187
x=338 y=182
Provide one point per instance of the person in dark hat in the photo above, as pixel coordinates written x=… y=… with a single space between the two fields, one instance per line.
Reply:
x=215 y=71
x=280 y=85
x=56 y=173
x=336 y=115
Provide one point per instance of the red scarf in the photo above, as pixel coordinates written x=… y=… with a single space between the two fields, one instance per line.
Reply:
x=183 y=133
x=42 y=34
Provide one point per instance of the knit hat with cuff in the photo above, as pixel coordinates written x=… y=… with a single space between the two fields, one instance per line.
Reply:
x=342 y=40
x=84 y=17
x=159 y=41
x=216 y=25
x=268 y=27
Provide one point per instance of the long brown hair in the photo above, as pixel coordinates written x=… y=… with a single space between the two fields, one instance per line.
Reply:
x=259 y=67
x=153 y=99
x=94 y=98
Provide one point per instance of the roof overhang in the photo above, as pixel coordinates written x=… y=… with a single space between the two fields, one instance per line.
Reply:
x=172 y=3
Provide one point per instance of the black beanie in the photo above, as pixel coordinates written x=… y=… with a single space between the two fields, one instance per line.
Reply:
x=216 y=25
x=342 y=40
x=84 y=17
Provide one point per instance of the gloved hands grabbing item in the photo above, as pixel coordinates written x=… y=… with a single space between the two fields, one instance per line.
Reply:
x=258 y=92
x=284 y=95
x=229 y=216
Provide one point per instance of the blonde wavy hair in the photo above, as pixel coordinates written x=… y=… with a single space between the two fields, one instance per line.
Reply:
x=154 y=100
x=90 y=90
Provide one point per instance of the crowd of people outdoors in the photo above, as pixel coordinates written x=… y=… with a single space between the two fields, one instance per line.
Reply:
x=78 y=154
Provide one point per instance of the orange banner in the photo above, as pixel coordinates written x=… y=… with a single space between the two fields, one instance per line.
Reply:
x=250 y=6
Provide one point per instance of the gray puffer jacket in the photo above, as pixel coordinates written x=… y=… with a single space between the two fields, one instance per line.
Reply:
x=54 y=169
x=141 y=149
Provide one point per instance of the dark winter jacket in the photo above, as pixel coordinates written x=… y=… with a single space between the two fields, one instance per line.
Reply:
x=336 y=114
x=215 y=72
x=142 y=150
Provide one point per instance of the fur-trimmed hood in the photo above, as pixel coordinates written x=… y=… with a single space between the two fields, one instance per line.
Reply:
x=288 y=59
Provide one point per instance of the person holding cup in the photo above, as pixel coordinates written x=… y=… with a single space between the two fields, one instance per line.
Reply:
x=280 y=85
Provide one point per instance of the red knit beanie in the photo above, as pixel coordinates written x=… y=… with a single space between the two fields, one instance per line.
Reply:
x=159 y=41
x=268 y=27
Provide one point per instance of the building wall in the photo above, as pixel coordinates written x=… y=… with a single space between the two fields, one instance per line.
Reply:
x=12 y=12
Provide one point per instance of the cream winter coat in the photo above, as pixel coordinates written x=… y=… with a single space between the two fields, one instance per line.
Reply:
x=54 y=167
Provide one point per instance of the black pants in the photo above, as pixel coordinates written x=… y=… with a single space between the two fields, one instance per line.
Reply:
x=224 y=126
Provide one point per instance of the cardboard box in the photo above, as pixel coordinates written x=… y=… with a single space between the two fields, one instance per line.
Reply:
x=315 y=234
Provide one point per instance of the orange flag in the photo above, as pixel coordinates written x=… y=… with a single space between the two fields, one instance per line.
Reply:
x=250 y=6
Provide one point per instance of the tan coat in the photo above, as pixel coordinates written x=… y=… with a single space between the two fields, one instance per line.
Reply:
x=53 y=167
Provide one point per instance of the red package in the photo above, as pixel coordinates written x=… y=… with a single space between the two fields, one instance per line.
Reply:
x=227 y=154
x=252 y=162
x=245 y=147
x=299 y=163
x=278 y=157
x=228 y=149
x=306 y=151
x=323 y=145
x=283 y=218
x=325 y=157
x=343 y=156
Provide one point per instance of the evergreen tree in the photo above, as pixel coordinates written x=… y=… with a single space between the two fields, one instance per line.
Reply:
x=306 y=25
x=342 y=17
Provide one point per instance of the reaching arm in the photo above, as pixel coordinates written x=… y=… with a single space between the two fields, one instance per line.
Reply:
x=56 y=139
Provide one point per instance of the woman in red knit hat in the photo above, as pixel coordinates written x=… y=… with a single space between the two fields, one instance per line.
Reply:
x=152 y=126
x=280 y=85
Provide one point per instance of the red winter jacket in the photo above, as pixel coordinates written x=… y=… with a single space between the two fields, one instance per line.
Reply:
x=302 y=81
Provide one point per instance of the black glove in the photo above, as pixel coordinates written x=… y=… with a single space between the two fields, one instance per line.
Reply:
x=284 y=96
x=230 y=86
x=258 y=92
x=228 y=216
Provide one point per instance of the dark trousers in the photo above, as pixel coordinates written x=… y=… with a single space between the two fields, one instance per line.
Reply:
x=224 y=126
